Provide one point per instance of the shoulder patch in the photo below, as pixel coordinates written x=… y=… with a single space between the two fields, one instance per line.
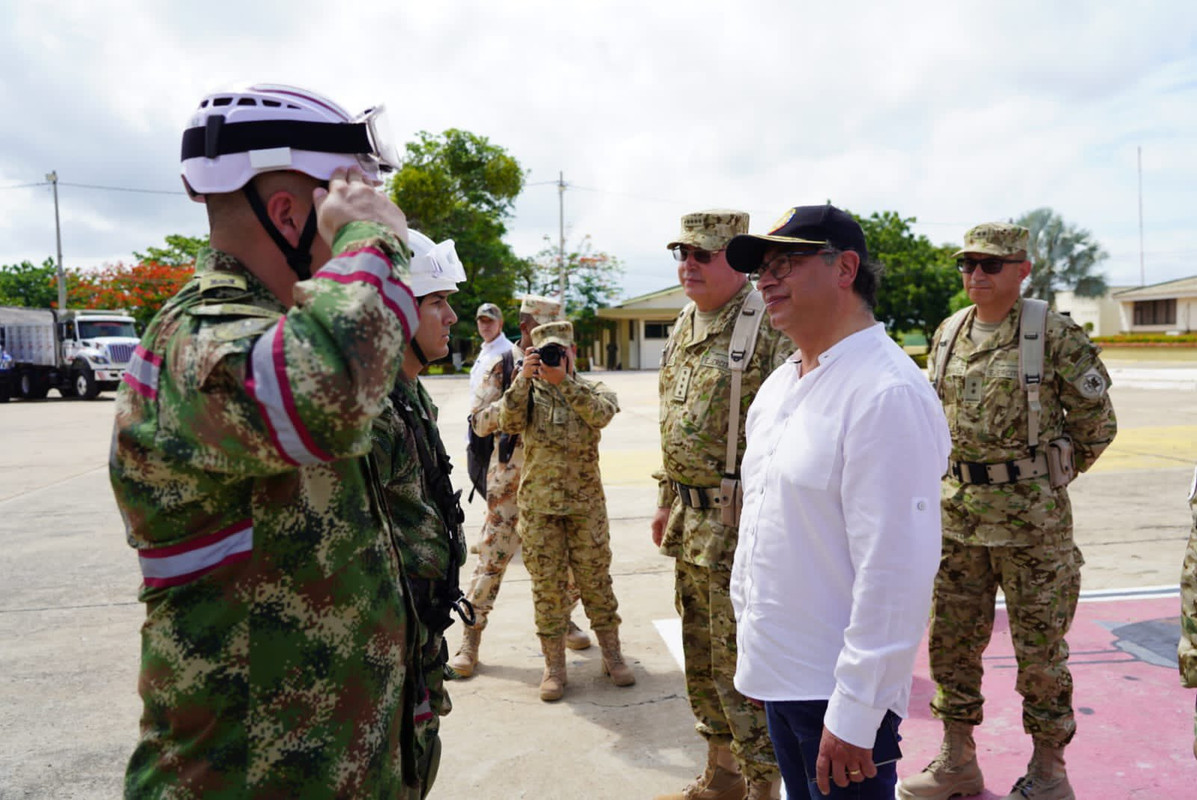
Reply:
x=234 y=310
x=1091 y=384
x=241 y=329
x=222 y=280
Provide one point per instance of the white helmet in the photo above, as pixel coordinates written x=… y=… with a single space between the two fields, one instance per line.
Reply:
x=238 y=134
x=434 y=267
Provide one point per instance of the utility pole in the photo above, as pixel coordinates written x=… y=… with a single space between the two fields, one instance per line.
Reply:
x=53 y=179
x=1142 y=269
x=561 y=238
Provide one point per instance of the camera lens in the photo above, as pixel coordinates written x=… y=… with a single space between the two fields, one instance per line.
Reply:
x=551 y=355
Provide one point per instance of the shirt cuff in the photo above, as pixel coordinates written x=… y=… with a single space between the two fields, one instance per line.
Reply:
x=854 y=722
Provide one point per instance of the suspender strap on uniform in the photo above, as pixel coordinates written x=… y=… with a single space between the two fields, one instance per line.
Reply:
x=739 y=353
x=1031 y=342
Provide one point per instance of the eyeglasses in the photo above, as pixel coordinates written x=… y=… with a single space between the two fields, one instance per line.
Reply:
x=780 y=267
x=990 y=266
x=680 y=254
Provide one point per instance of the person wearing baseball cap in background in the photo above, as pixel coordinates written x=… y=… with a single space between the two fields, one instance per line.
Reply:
x=840 y=530
x=494 y=343
x=499 y=539
x=692 y=525
x=1007 y=518
x=562 y=507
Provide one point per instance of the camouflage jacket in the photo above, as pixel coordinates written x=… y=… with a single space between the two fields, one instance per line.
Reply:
x=695 y=388
x=488 y=407
x=1188 y=601
x=986 y=409
x=277 y=630
x=561 y=432
x=427 y=532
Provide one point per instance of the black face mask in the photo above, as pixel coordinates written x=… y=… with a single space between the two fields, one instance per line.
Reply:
x=299 y=258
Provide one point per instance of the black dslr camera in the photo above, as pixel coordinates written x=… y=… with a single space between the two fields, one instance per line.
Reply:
x=550 y=355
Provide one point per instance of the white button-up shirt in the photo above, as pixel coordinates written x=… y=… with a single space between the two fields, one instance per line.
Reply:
x=840 y=532
x=488 y=356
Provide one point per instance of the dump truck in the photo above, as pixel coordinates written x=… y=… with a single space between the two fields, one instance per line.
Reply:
x=79 y=353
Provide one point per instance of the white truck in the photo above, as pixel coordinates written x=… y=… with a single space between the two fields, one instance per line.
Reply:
x=79 y=353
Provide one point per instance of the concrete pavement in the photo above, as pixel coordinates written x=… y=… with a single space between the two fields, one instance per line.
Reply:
x=69 y=617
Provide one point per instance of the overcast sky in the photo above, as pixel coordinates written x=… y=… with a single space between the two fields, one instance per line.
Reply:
x=951 y=112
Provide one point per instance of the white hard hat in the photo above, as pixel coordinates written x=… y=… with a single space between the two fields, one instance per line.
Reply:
x=434 y=267
x=238 y=134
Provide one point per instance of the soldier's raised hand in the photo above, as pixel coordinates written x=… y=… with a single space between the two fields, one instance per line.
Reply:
x=351 y=198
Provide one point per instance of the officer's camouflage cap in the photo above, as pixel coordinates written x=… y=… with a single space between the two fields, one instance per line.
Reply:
x=1001 y=239
x=561 y=333
x=542 y=309
x=489 y=310
x=711 y=230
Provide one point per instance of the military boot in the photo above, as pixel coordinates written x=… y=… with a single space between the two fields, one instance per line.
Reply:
x=720 y=781
x=1045 y=778
x=764 y=790
x=552 y=683
x=576 y=638
x=952 y=773
x=466 y=657
x=613 y=664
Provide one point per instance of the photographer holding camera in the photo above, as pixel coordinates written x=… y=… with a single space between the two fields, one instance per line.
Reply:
x=562 y=507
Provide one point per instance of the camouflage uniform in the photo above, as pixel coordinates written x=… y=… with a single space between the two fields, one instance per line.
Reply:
x=695 y=389
x=1187 y=651
x=428 y=537
x=1014 y=535
x=562 y=507
x=500 y=537
x=277 y=632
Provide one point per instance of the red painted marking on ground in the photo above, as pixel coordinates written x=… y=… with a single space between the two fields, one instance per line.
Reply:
x=1134 y=720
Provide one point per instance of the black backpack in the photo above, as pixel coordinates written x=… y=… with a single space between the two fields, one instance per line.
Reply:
x=481 y=448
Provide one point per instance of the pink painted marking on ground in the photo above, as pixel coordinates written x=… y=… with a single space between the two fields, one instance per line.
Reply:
x=1134 y=720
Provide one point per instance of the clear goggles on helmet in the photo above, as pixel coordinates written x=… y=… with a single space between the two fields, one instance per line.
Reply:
x=378 y=130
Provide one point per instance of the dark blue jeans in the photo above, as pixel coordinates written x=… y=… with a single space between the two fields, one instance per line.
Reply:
x=796 y=728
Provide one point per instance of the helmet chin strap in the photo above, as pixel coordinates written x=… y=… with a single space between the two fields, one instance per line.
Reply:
x=415 y=348
x=299 y=258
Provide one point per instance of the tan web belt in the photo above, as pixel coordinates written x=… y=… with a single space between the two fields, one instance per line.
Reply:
x=1001 y=472
x=699 y=496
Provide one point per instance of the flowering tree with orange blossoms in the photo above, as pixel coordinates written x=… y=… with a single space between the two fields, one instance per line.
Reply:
x=139 y=289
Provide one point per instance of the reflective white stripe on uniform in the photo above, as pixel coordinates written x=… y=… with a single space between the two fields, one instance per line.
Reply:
x=270 y=386
x=180 y=563
x=370 y=265
x=143 y=371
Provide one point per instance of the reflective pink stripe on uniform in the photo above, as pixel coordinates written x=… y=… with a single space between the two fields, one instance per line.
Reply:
x=142 y=374
x=179 y=563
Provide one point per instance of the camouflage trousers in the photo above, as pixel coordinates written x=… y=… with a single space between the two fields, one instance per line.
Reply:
x=1187 y=651
x=556 y=544
x=1042 y=584
x=431 y=703
x=703 y=599
x=500 y=541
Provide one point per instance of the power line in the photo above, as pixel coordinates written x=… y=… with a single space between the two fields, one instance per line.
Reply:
x=120 y=188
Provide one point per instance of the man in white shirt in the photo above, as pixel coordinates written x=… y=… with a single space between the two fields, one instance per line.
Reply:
x=840 y=529
x=494 y=343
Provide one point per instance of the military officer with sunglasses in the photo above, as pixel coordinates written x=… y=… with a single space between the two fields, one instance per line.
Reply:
x=691 y=525
x=1020 y=431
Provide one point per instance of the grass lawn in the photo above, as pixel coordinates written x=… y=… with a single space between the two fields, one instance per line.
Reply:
x=1181 y=356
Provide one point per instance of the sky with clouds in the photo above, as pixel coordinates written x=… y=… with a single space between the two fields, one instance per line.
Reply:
x=950 y=112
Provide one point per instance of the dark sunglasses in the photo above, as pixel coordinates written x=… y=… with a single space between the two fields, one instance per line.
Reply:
x=681 y=253
x=990 y=266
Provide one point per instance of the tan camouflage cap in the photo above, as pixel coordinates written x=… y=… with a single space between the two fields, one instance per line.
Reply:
x=561 y=333
x=489 y=310
x=1003 y=239
x=542 y=309
x=712 y=229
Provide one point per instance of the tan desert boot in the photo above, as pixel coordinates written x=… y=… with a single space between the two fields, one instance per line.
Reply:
x=952 y=773
x=720 y=781
x=552 y=682
x=1045 y=778
x=613 y=663
x=576 y=638
x=466 y=657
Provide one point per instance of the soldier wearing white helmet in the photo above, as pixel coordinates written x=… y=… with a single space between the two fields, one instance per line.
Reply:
x=277 y=657
x=424 y=508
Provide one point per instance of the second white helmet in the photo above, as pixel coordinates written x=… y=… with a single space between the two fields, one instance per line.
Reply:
x=434 y=267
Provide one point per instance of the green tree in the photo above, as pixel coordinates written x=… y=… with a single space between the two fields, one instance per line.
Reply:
x=919 y=278
x=29 y=285
x=179 y=250
x=457 y=185
x=1062 y=256
x=591 y=283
